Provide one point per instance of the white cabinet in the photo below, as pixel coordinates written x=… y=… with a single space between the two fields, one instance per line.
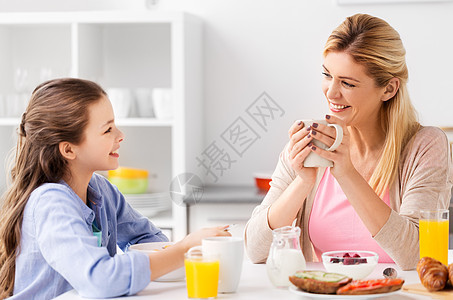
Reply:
x=217 y=214
x=117 y=49
x=224 y=205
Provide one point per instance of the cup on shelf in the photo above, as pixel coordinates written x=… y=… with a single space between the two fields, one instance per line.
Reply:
x=121 y=99
x=3 y=112
x=163 y=103
x=143 y=98
x=21 y=79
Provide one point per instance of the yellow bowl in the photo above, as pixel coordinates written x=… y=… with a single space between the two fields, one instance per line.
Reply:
x=124 y=172
x=129 y=180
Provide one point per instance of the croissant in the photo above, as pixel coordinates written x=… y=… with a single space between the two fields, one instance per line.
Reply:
x=433 y=274
x=450 y=273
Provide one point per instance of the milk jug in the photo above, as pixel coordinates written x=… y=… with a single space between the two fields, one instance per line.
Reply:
x=285 y=256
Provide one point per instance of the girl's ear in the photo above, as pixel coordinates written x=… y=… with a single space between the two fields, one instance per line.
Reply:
x=67 y=150
x=391 y=89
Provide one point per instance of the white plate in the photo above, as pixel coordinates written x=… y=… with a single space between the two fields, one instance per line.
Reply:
x=176 y=275
x=297 y=291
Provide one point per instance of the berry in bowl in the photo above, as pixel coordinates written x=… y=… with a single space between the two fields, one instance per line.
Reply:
x=352 y=263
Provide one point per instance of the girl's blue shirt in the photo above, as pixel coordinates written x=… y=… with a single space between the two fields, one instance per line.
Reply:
x=59 y=252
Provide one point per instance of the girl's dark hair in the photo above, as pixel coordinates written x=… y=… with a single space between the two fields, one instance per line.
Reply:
x=57 y=112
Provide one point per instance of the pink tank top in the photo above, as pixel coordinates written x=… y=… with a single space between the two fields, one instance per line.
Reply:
x=334 y=224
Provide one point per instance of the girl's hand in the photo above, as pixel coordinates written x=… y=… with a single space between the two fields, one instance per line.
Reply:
x=300 y=139
x=341 y=158
x=194 y=238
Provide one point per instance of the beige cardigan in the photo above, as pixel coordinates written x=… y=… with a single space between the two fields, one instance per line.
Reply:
x=424 y=181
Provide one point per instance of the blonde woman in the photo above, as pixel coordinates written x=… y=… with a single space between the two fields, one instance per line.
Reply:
x=386 y=169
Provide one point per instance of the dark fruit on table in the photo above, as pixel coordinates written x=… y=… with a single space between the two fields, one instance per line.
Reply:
x=348 y=260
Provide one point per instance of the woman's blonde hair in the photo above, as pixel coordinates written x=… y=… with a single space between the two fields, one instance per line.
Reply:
x=57 y=112
x=373 y=43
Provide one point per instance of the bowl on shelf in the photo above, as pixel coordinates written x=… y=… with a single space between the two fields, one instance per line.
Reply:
x=262 y=181
x=129 y=180
x=356 y=264
x=176 y=275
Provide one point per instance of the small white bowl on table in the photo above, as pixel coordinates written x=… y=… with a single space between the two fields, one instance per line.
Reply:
x=355 y=270
x=176 y=275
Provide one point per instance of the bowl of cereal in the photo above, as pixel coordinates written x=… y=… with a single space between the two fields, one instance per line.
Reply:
x=147 y=248
x=356 y=264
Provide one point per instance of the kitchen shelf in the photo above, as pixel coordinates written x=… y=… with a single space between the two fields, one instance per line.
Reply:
x=119 y=50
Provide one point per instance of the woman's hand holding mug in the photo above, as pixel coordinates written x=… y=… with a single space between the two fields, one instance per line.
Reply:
x=298 y=149
x=310 y=141
x=338 y=154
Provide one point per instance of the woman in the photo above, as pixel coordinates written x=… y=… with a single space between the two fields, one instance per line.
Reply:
x=386 y=169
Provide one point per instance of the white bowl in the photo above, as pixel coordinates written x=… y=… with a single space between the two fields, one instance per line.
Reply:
x=354 y=267
x=176 y=275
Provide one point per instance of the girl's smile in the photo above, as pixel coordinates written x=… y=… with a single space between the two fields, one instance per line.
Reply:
x=114 y=154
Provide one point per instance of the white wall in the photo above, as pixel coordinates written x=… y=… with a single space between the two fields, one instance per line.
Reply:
x=252 y=46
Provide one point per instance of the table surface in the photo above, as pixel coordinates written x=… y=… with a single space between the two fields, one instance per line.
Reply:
x=255 y=284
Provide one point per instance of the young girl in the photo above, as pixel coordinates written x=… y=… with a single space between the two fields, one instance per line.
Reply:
x=60 y=222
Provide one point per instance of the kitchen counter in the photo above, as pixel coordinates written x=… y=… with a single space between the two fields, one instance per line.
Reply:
x=255 y=284
x=222 y=205
x=228 y=194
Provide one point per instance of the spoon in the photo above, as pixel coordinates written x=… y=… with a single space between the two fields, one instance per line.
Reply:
x=389 y=273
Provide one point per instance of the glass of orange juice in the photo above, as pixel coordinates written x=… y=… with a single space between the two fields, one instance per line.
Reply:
x=202 y=274
x=433 y=233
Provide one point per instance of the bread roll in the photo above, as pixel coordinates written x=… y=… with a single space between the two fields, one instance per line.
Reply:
x=433 y=274
x=450 y=273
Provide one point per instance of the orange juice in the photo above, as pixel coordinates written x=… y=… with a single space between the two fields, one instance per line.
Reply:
x=434 y=239
x=202 y=278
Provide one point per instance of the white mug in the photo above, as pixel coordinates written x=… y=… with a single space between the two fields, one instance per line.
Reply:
x=313 y=159
x=121 y=99
x=231 y=252
x=143 y=98
x=163 y=103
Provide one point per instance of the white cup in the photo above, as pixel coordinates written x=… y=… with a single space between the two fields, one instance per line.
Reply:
x=163 y=103
x=313 y=159
x=121 y=100
x=231 y=252
x=143 y=97
x=3 y=109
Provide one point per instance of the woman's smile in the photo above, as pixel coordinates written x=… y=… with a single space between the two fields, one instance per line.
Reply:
x=334 y=107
